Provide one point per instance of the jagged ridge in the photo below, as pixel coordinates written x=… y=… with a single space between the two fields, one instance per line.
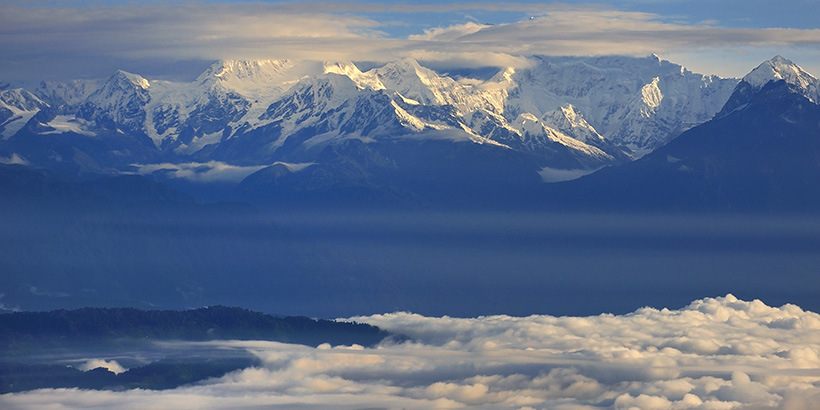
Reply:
x=599 y=111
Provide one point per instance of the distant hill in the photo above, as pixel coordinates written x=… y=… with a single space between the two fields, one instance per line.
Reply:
x=24 y=329
x=26 y=185
x=35 y=345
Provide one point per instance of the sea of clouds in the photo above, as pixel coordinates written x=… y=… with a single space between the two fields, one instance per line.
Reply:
x=716 y=353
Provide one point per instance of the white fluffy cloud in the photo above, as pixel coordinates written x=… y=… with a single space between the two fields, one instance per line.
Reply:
x=110 y=365
x=716 y=353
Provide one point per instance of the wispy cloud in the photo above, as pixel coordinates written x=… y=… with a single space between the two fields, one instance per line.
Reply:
x=80 y=38
x=592 y=32
x=211 y=171
x=194 y=30
x=37 y=40
x=4 y=308
x=41 y=292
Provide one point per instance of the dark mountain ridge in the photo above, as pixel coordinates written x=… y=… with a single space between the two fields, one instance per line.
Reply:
x=761 y=153
x=24 y=330
x=26 y=338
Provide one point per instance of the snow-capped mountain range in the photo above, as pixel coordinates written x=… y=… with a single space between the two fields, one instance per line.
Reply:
x=570 y=114
x=599 y=110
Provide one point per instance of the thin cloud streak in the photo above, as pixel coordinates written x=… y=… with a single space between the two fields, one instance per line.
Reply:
x=586 y=33
x=47 y=41
x=77 y=39
x=211 y=171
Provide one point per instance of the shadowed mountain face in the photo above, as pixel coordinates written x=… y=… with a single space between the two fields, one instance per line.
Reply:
x=24 y=188
x=405 y=174
x=760 y=153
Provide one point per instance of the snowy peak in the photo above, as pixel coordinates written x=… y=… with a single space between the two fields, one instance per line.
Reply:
x=403 y=68
x=125 y=79
x=311 y=96
x=267 y=79
x=249 y=69
x=119 y=104
x=66 y=95
x=640 y=103
x=350 y=70
x=122 y=85
x=749 y=89
x=570 y=122
x=254 y=79
x=274 y=72
x=252 y=71
x=17 y=106
x=651 y=94
x=779 y=68
x=413 y=81
x=18 y=99
x=536 y=134
x=420 y=85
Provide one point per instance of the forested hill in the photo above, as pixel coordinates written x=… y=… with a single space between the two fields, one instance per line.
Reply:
x=209 y=323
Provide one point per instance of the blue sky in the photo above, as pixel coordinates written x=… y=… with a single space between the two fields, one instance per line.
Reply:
x=176 y=40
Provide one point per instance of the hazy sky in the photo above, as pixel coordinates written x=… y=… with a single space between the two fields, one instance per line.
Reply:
x=177 y=39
